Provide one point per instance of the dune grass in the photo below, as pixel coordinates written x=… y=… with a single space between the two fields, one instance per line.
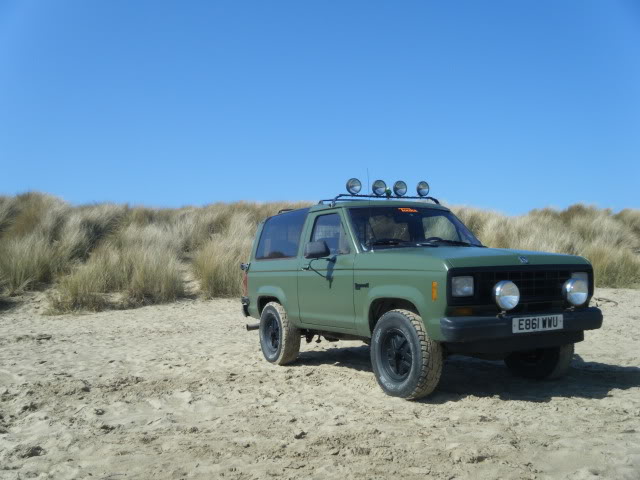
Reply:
x=116 y=256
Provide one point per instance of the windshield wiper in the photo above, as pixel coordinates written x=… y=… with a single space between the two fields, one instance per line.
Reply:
x=389 y=241
x=448 y=242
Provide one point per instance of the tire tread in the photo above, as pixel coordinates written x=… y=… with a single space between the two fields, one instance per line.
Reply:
x=432 y=357
x=290 y=336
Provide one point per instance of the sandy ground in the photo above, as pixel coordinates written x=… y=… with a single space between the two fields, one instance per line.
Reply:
x=182 y=391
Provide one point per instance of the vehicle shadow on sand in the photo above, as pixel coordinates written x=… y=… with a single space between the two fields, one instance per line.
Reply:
x=465 y=376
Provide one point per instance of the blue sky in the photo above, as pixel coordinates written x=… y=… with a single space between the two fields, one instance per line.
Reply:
x=509 y=105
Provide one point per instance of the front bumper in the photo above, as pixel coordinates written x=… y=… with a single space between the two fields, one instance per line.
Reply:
x=492 y=334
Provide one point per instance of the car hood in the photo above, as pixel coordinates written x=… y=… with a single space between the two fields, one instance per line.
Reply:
x=446 y=257
x=488 y=257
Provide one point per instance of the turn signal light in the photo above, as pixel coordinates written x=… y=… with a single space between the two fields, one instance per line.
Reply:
x=434 y=291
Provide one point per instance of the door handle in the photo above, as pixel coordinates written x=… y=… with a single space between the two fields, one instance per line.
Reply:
x=305 y=267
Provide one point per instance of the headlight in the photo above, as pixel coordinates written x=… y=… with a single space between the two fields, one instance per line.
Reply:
x=354 y=186
x=576 y=291
x=399 y=188
x=506 y=294
x=379 y=188
x=422 y=189
x=462 y=286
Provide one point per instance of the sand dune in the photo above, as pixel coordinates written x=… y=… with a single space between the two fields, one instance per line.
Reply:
x=182 y=391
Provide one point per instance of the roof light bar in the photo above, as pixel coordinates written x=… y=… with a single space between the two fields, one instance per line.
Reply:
x=380 y=190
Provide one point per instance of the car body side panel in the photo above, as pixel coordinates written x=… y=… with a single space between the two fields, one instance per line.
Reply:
x=274 y=278
x=325 y=288
x=407 y=277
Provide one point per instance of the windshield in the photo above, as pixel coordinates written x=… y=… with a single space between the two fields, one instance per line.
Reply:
x=409 y=226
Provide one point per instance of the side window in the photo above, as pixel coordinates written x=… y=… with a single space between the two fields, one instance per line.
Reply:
x=328 y=228
x=281 y=235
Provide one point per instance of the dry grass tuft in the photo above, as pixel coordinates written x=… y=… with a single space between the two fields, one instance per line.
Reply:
x=217 y=263
x=26 y=262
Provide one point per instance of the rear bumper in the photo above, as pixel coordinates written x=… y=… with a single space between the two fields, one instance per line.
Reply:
x=245 y=305
x=494 y=334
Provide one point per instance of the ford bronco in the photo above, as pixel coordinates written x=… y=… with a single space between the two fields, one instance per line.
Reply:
x=406 y=276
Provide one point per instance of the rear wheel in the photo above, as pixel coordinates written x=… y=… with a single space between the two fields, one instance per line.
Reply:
x=542 y=363
x=405 y=361
x=279 y=339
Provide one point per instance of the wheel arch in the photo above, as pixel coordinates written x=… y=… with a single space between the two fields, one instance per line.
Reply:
x=264 y=299
x=271 y=293
x=380 y=306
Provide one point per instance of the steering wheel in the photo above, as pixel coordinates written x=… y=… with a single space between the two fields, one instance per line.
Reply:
x=432 y=239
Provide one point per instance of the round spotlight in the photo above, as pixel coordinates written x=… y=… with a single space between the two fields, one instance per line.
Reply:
x=576 y=291
x=400 y=188
x=379 y=188
x=506 y=294
x=423 y=189
x=354 y=186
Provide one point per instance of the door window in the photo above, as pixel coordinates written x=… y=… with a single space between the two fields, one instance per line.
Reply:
x=328 y=228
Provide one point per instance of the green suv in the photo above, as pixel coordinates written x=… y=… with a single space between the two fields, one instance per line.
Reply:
x=406 y=276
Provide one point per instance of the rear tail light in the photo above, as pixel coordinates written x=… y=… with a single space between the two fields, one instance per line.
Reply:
x=245 y=279
x=245 y=284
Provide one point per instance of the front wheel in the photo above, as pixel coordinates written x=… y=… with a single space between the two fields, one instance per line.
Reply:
x=279 y=339
x=405 y=361
x=542 y=363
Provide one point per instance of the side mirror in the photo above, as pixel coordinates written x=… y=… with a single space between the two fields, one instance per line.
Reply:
x=316 y=250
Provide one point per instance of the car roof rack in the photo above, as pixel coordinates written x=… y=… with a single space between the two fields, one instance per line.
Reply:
x=345 y=197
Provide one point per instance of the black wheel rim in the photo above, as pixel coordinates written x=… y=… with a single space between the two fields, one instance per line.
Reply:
x=531 y=358
x=396 y=355
x=272 y=334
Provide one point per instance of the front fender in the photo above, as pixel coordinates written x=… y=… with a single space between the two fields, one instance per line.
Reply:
x=411 y=286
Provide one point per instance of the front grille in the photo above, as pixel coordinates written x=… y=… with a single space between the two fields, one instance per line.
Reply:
x=538 y=284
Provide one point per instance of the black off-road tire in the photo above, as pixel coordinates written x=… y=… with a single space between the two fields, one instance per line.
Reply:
x=412 y=376
x=544 y=363
x=279 y=339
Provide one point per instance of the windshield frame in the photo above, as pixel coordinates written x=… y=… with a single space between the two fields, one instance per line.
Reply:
x=461 y=229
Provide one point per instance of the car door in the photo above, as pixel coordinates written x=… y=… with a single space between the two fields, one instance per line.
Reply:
x=325 y=285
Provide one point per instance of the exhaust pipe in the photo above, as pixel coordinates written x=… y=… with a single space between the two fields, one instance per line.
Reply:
x=252 y=326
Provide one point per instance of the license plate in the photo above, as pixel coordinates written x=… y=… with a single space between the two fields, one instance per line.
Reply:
x=540 y=323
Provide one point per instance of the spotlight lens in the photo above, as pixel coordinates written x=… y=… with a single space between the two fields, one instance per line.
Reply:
x=379 y=188
x=423 y=189
x=354 y=186
x=576 y=291
x=400 y=188
x=506 y=294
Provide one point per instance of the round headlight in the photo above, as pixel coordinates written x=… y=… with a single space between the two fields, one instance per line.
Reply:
x=354 y=186
x=576 y=291
x=423 y=189
x=506 y=294
x=400 y=188
x=379 y=188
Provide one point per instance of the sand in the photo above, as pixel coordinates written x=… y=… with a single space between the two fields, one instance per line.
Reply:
x=182 y=391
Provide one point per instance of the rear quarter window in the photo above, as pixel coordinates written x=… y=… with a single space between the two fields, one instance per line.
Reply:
x=280 y=236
